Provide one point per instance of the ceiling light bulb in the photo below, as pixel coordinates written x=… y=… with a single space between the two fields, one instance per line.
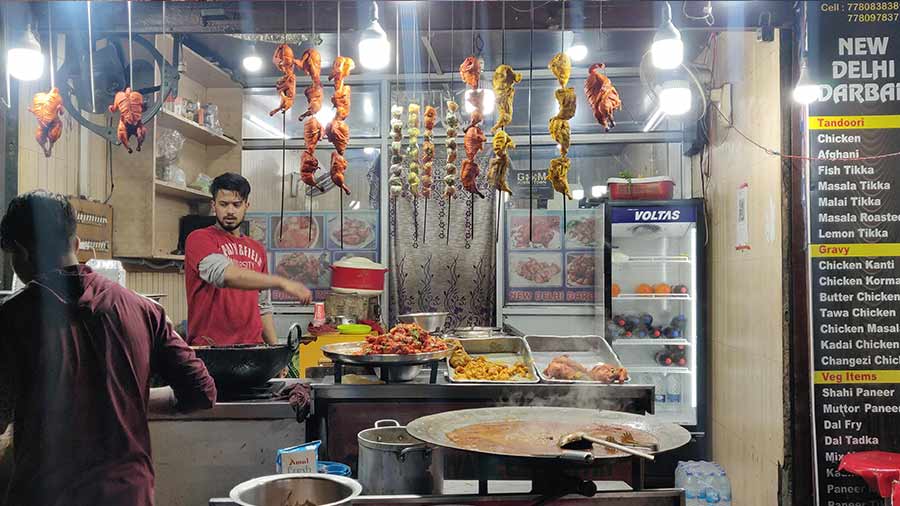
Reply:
x=598 y=191
x=675 y=98
x=577 y=51
x=252 y=63
x=578 y=194
x=806 y=91
x=374 y=46
x=487 y=101
x=325 y=115
x=369 y=150
x=667 y=50
x=24 y=59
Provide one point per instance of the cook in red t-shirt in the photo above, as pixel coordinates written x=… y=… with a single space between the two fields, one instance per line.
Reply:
x=226 y=275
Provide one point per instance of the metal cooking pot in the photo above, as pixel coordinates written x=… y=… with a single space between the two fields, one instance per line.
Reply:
x=281 y=489
x=393 y=462
x=241 y=367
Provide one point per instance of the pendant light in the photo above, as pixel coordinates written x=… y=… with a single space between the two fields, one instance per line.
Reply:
x=675 y=98
x=667 y=50
x=24 y=58
x=806 y=91
x=374 y=46
x=252 y=62
x=577 y=51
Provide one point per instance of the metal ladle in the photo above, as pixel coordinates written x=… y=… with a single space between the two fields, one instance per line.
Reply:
x=582 y=440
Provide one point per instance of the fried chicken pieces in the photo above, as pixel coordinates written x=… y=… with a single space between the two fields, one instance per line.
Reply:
x=337 y=131
x=47 y=108
x=602 y=95
x=564 y=367
x=561 y=67
x=130 y=105
x=499 y=166
x=474 y=138
x=505 y=79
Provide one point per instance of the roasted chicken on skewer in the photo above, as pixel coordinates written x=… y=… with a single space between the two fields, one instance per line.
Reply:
x=474 y=138
x=412 y=151
x=130 y=105
x=499 y=166
x=474 y=141
x=311 y=63
x=47 y=108
x=451 y=122
x=558 y=175
x=505 y=79
x=395 y=182
x=428 y=151
x=561 y=67
x=470 y=70
x=284 y=61
x=337 y=131
x=309 y=164
x=602 y=95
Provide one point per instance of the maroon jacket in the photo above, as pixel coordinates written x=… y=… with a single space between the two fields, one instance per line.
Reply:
x=81 y=351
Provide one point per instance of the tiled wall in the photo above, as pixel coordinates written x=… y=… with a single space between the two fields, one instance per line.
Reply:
x=746 y=290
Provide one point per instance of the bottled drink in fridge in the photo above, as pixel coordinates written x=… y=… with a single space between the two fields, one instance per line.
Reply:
x=673 y=391
x=646 y=320
x=659 y=384
x=663 y=358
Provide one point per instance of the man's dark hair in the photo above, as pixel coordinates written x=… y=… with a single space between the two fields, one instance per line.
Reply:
x=230 y=181
x=42 y=222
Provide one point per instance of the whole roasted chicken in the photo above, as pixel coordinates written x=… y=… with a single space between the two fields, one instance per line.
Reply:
x=565 y=368
x=309 y=164
x=47 y=108
x=606 y=373
x=284 y=61
x=311 y=63
x=130 y=105
x=499 y=166
x=505 y=79
x=602 y=95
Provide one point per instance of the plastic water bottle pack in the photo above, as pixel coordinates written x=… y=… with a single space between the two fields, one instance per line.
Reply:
x=704 y=483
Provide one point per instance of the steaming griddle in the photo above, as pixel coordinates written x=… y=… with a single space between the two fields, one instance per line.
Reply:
x=434 y=429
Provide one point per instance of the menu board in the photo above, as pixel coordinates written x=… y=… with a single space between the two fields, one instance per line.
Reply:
x=854 y=232
x=553 y=266
x=306 y=255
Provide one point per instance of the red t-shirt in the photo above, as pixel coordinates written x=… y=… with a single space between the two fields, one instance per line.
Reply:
x=226 y=315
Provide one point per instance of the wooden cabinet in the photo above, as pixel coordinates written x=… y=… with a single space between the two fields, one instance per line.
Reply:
x=148 y=209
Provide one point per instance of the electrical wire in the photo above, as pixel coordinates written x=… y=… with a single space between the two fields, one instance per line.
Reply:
x=532 y=8
x=91 y=56
x=130 y=51
x=284 y=140
x=708 y=17
x=50 y=45
x=530 y=122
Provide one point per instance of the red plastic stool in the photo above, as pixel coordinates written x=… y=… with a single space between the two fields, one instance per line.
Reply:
x=881 y=470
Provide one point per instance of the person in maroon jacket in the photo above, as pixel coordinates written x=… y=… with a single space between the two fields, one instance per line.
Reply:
x=76 y=354
x=226 y=275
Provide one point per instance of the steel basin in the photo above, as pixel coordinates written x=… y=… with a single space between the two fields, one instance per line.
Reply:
x=296 y=489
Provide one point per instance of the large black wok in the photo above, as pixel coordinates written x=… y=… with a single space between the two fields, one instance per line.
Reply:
x=239 y=368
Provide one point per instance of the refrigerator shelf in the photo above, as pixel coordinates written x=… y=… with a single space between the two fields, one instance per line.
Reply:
x=644 y=260
x=659 y=369
x=649 y=342
x=652 y=296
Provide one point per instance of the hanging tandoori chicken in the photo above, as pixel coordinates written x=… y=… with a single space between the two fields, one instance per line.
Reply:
x=474 y=137
x=499 y=166
x=309 y=164
x=505 y=79
x=337 y=131
x=47 y=108
x=311 y=63
x=470 y=71
x=130 y=105
x=602 y=95
x=284 y=61
x=474 y=142
x=558 y=175
x=561 y=67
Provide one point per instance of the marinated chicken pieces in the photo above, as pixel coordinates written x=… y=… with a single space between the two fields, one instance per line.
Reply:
x=311 y=63
x=505 y=79
x=470 y=71
x=558 y=175
x=499 y=166
x=47 y=108
x=130 y=105
x=428 y=151
x=337 y=131
x=561 y=66
x=284 y=61
x=564 y=367
x=602 y=95
x=309 y=164
x=451 y=122
x=474 y=138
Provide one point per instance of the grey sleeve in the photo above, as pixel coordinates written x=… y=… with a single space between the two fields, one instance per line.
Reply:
x=212 y=269
x=265 y=302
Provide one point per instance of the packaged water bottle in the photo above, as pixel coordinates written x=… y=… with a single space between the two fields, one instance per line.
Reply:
x=724 y=488
x=673 y=391
x=691 y=490
x=659 y=382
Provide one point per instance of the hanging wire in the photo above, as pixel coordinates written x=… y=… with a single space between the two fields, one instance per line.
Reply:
x=338 y=53
x=284 y=139
x=130 y=51
x=162 y=72
x=562 y=49
x=428 y=77
x=498 y=195
x=452 y=33
x=530 y=121
x=309 y=194
x=91 y=56
x=50 y=45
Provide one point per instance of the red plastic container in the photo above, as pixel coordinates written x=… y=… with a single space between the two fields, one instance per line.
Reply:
x=357 y=275
x=641 y=188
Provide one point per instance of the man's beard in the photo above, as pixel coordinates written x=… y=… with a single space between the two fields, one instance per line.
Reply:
x=228 y=228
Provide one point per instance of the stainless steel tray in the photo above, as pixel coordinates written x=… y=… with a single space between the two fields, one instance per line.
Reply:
x=506 y=350
x=586 y=350
x=476 y=332
x=348 y=353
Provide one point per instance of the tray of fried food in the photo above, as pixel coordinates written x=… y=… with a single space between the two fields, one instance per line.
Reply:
x=491 y=360
x=576 y=359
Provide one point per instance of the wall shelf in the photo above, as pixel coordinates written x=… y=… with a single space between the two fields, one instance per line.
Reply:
x=193 y=130
x=178 y=191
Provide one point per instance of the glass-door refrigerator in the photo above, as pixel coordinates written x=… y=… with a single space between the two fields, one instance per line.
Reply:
x=655 y=279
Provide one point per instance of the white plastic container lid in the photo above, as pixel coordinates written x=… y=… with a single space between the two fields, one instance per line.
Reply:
x=638 y=180
x=359 y=263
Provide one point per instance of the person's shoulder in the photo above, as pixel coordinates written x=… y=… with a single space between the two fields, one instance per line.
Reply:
x=200 y=234
x=255 y=244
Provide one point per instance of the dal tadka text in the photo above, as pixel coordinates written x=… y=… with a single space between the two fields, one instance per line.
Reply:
x=403 y=339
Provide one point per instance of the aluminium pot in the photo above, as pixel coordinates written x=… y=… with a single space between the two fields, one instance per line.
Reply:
x=357 y=275
x=300 y=488
x=391 y=462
